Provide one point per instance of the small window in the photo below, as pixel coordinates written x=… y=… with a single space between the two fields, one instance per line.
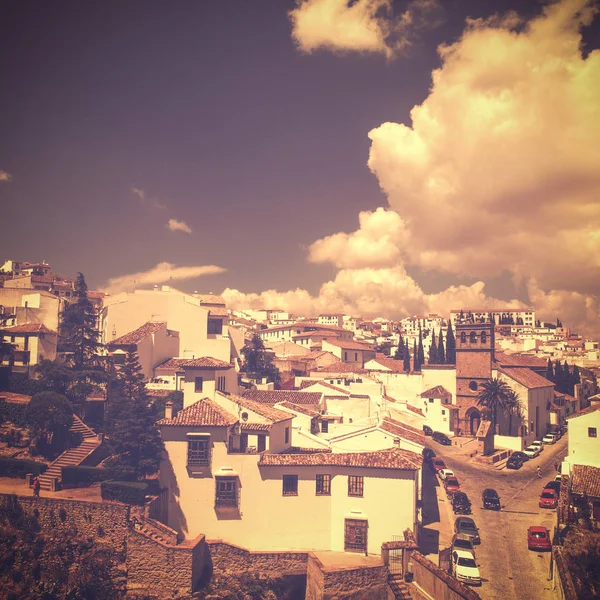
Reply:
x=323 y=485
x=431 y=400
x=463 y=338
x=473 y=337
x=473 y=386
x=355 y=485
x=198 y=452
x=221 y=383
x=345 y=356
x=287 y=435
x=215 y=326
x=483 y=337
x=443 y=412
x=355 y=356
x=262 y=443
x=198 y=384
x=325 y=426
x=592 y=432
x=226 y=491
x=290 y=485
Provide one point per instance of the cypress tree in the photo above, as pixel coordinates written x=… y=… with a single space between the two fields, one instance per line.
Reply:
x=450 y=346
x=576 y=375
x=559 y=377
x=549 y=371
x=406 y=365
x=400 y=351
x=569 y=380
x=440 y=348
x=433 y=352
x=416 y=365
x=421 y=350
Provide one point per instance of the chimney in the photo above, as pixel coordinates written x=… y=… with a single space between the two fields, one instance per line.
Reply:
x=169 y=409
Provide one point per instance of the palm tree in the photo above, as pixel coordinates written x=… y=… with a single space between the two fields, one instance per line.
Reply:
x=512 y=408
x=493 y=395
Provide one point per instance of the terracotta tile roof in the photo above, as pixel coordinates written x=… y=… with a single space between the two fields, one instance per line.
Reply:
x=305 y=384
x=210 y=299
x=33 y=328
x=217 y=311
x=416 y=410
x=299 y=450
x=526 y=377
x=586 y=480
x=360 y=396
x=135 y=337
x=321 y=334
x=204 y=413
x=272 y=414
x=554 y=407
x=350 y=345
x=402 y=430
x=397 y=366
x=204 y=362
x=381 y=459
x=299 y=408
x=586 y=411
x=275 y=396
x=389 y=398
x=341 y=367
x=439 y=391
x=256 y=426
x=519 y=360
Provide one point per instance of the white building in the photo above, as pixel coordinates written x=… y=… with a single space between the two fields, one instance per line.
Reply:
x=411 y=325
x=584 y=442
x=501 y=315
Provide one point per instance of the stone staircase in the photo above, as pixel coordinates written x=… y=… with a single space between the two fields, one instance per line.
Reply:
x=72 y=457
x=399 y=587
x=154 y=530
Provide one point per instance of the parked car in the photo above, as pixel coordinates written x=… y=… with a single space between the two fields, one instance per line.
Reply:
x=438 y=464
x=520 y=455
x=441 y=438
x=461 y=505
x=550 y=438
x=443 y=473
x=490 y=499
x=557 y=478
x=538 y=538
x=514 y=462
x=553 y=485
x=428 y=454
x=451 y=484
x=465 y=568
x=467 y=526
x=427 y=430
x=461 y=541
x=532 y=451
x=538 y=444
x=548 y=498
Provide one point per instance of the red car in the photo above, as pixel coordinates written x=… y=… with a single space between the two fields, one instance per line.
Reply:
x=438 y=464
x=451 y=484
x=548 y=498
x=538 y=538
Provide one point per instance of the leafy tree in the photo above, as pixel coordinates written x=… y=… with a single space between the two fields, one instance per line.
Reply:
x=549 y=371
x=421 y=350
x=49 y=416
x=258 y=363
x=433 y=352
x=401 y=350
x=176 y=397
x=450 y=346
x=493 y=396
x=384 y=348
x=440 y=349
x=512 y=408
x=78 y=330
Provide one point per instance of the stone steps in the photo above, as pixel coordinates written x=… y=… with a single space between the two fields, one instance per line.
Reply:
x=399 y=587
x=72 y=457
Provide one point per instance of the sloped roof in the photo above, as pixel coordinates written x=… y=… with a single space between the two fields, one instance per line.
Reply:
x=322 y=334
x=299 y=408
x=439 y=391
x=519 y=360
x=586 y=480
x=306 y=384
x=342 y=367
x=402 y=430
x=210 y=299
x=350 y=345
x=204 y=413
x=397 y=366
x=269 y=413
x=205 y=362
x=33 y=328
x=217 y=311
x=526 y=377
x=275 y=396
x=586 y=411
x=415 y=409
x=381 y=459
x=136 y=336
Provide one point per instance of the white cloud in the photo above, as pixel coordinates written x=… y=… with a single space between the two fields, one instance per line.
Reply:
x=5 y=176
x=360 y=26
x=500 y=167
x=161 y=273
x=148 y=200
x=175 y=225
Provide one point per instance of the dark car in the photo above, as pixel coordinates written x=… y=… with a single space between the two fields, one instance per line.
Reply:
x=438 y=464
x=490 y=499
x=427 y=430
x=553 y=485
x=441 y=438
x=428 y=454
x=461 y=505
x=520 y=455
x=467 y=526
x=514 y=462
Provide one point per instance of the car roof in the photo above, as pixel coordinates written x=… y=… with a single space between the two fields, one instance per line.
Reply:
x=490 y=491
x=464 y=519
x=462 y=537
x=463 y=553
x=537 y=528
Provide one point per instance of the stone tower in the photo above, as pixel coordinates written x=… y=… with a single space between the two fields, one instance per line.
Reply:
x=474 y=357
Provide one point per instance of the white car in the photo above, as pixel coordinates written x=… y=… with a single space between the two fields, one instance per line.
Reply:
x=465 y=568
x=445 y=473
x=539 y=444
x=532 y=451
x=549 y=438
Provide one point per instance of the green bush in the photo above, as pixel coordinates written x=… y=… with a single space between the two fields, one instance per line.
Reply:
x=85 y=475
x=124 y=491
x=14 y=467
x=11 y=411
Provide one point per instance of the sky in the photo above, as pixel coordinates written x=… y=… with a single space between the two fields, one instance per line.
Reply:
x=373 y=157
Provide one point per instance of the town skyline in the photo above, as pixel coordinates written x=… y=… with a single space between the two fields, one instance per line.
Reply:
x=321 y=172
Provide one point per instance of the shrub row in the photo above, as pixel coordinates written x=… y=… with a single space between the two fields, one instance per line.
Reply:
x=11 y=411
x=124 y=491
x=85 y=475
x=15 y=467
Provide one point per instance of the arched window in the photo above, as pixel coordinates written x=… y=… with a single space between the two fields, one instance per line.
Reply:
x=483 y=337
x=473 y=337
x=463 y=337
x=473 y=386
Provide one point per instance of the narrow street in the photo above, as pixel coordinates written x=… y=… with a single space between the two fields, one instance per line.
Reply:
x=508 y=568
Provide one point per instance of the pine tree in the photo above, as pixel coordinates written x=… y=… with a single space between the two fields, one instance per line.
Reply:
x=440 y=348
x=421 y=350
x=258 y=364
x=416 y=365
x=549 y=371
x=450 y=346
x=433 y=352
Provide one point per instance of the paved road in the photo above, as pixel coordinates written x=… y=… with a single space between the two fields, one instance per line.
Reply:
x=509 y=570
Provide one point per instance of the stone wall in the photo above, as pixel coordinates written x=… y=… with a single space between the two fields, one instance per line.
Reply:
x=364 y=583
x=162 y=570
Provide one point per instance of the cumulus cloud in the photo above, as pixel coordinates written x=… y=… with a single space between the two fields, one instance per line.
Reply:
x=501 y=164
x=148 y=200
x=360 y=26
x=161 y=273
x=175 y=225
x=4 y=176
